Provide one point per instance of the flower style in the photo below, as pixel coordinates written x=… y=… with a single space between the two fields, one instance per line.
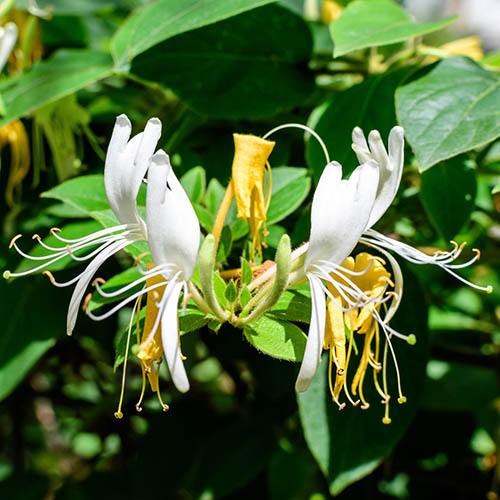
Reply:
x=8 y=39
x=343 y=213
x=126 y=164
x=174 y=237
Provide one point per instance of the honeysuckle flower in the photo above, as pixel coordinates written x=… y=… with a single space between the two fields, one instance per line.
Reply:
x=343 y=213
x=174 y=237
x=126 y=164
x=8 y=38
x=390 y=164
x=248 y=170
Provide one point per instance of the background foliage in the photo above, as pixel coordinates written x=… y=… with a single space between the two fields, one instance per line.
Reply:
x=208 y=69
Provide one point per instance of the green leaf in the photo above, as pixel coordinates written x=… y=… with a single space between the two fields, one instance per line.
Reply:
x=293 y=305
x=164 y=19
x=30 y=326
x=79 y=7
x=85 y=193
x=448 y=191
x=194 y=182
x=350 y=444
x=238 y=68
x=372 y=23
x=72 y=230
x=246 y=272
x=64 y=73
x=369 y=105
x=443 y=119
x=231 y=292
x=291 y=186
x=277 y=338
x=214 y=195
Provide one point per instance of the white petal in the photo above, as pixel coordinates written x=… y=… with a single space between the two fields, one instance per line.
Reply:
x=315 y=337
x=127 y=161
x=8 y=38
x=83 y=282
x=340 y=212
x=390 y=165
x=173 y=227
x=171 y=342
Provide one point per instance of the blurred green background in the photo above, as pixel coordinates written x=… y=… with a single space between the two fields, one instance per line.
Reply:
x=208 y=69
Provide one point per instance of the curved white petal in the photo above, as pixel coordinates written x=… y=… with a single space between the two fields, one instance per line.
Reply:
x=8 y=38
x=83 y=282
x=171 y=341
x=127 y=161
x=315 y=336
x=390 y=165
x=340 y=212
x=173 y=227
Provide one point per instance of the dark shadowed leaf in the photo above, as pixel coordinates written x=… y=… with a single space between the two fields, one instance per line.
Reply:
x=448 y=191
x=369 y=105
x=163 y=19
x=238 y=68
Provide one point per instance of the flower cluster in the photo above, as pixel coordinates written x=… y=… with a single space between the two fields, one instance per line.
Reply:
x=353 y=296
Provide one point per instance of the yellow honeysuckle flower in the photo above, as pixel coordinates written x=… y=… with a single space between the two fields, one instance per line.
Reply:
x=249 y=164
x=14 y=135
x=469 y=46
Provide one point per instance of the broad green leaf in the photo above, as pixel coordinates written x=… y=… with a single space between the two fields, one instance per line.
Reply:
x=443 y=118
x=85 y=193
x=163 y=19
x=277 y=338
x=290 y=188
x=448 y=191
x=350 y=444
x=214 y=195
x=194 y=182
x=72 y=230
x=64 y=73
x=293 y=305
x=369 y=105
x=372 y=23
x=30 y=326
x=238 y=68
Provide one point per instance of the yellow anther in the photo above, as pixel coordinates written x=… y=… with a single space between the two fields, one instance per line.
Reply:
x=98 y=281
x=86 y=301
x=118 y=415
x=139 y=257
x=402 y=400
x=54 y=230
x=36 y=237
x=386 y=420
x=50 y=276
x=6 y=275
x=13 y=240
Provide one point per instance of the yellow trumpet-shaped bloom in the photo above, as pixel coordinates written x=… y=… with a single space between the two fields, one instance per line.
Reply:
x=469 y=46
x=368 y=274
x=14 y=135
x=248 y=170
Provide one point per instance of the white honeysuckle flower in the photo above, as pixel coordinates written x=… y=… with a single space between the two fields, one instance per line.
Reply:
x=339 y=215
x=126 y=164
x=343 y=213
x=174 y=239
x=8 y=39
x=390 y=165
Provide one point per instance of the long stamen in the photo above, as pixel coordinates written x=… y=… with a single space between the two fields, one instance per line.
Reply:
x=119 y=413
x=123 y=303
x=125 y=288
x=55 y=230
x=440 y=259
